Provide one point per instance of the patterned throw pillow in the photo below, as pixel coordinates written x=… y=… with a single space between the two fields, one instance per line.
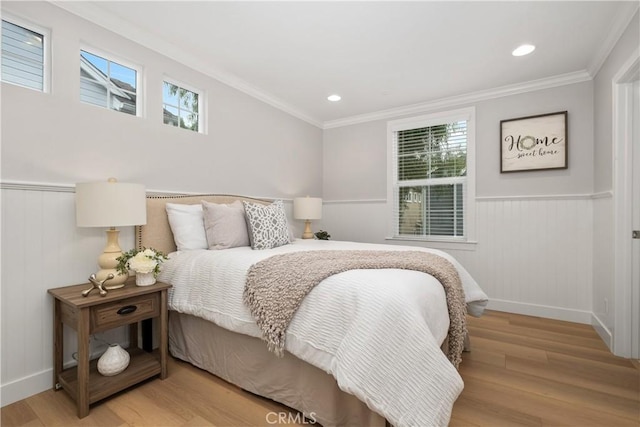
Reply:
x=268 y=227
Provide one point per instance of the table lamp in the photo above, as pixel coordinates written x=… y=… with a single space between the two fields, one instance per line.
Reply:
x=110 y=204
x=307 y=208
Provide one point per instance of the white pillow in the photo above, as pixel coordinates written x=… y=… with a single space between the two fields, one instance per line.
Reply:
x=225 y=225
x=187 y=225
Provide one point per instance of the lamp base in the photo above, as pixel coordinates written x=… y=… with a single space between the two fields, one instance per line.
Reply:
x=107 y=262
x=307 y=234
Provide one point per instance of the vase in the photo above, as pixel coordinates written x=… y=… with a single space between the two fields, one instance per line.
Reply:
x=145 y=279
x=113 y=361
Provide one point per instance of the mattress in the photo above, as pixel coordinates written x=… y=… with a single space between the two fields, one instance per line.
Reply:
x=377 y=332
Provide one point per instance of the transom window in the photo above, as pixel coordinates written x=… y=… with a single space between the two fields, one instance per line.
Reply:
x=181 y=107
x=23 y=56
x=429 y=184
x=108 y=84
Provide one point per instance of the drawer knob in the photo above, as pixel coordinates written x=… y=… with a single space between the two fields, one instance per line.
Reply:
x=127 y=309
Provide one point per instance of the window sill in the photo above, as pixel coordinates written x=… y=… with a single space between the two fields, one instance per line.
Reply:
x=462 y=245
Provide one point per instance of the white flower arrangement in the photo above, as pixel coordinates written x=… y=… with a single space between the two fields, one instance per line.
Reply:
x=145 y=260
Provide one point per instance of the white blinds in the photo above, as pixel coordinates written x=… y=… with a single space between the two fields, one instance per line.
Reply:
x=22 y=56
x=430 y=179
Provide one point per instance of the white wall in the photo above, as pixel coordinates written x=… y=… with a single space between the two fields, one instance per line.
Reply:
x=250 y=148
x=51 y=138
x=534 y=229
x=355 y=156
x=538 y=232
x=604 y=216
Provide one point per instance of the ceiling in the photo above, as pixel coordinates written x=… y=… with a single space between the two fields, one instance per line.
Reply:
x=378 y=56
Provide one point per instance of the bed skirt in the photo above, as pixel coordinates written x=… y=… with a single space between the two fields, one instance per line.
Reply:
x=245 y=361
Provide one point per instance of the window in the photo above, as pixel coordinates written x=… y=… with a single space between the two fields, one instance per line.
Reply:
x=181 y=107
x=24 y=54
x=431 y=184
x=108 y=84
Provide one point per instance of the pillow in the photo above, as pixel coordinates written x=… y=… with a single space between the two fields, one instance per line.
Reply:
x=225 y=225
x=268 y=227
x=187 y=226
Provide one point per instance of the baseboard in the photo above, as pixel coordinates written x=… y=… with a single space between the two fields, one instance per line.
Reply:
x=549 y=312
x=41 y=381
x=25 y=387
x=602 y=330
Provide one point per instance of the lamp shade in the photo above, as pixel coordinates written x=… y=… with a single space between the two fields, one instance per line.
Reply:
x=110 y=204
x=307 y=208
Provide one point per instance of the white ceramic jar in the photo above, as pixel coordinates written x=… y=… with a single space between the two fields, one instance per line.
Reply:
x=113 y=361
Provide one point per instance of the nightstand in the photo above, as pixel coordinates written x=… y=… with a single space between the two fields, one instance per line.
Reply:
x=94 y=313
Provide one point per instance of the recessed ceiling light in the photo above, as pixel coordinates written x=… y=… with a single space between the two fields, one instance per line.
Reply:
x=524 y=49
x=334 y=98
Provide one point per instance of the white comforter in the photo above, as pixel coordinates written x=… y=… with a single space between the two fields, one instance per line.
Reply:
x=378 y=332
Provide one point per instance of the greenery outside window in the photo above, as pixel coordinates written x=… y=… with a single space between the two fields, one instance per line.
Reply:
x=181 y=107
x=430 y=187
x=108 y=84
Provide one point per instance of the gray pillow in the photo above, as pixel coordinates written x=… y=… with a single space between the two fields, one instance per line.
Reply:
x=268 y=227
x=225 y=225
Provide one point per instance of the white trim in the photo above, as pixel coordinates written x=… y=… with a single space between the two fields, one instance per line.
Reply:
x=97 y=15
x=353 y=201
x=473 y=97
x=46 y=60
x=602 y=195
x=24 y=387
x=546 y=311
x=468 y=114
x=108 y=56
x=202 y=101
x=576 y=196
x=38 y=186
x=618 y=27
x=446 y=245
x=124 y=28
x=71 y=188
x=602 y=330
x=622 y=129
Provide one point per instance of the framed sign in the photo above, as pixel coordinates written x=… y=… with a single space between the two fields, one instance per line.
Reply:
x=534 y=143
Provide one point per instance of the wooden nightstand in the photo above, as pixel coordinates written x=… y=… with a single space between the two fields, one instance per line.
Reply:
x=92 y=314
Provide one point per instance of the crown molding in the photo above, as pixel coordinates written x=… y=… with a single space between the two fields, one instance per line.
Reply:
x=93 y=13
x=483 y=95
x=618 y=27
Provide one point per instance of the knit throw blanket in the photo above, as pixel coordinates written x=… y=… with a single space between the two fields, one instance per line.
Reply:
x=276 y=286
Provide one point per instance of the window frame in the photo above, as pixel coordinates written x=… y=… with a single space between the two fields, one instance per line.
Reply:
x=201 y=102
x=428 y=120
x=139 y=69
x=46 y=48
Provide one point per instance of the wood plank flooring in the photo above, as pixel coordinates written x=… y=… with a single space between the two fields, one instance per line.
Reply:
x=522 y=371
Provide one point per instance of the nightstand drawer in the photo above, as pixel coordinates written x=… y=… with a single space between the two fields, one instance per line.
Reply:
x=125 y=311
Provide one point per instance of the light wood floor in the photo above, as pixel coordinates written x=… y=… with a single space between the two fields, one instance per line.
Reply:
x=521 y=371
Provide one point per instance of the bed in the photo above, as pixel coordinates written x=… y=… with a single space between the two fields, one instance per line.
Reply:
x=333 y=379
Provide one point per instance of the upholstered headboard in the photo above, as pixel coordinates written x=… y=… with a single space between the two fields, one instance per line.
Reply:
x=157 y=232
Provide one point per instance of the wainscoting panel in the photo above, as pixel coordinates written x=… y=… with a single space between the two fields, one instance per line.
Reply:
x=42 y=248
x=533 y=255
